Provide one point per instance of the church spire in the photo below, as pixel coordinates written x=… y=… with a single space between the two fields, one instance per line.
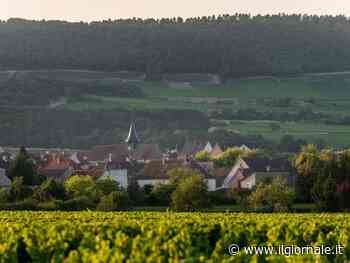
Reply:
x=133 y=139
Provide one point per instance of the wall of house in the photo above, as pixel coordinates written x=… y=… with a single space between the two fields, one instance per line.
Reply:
x=249 y=182
x=4 y=180
x=143 y=182
x=68 y=173
x=234 y=174
x=211 y=183
x=119 y=175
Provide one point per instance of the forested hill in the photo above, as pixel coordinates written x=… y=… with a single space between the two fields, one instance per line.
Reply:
x=232 y=46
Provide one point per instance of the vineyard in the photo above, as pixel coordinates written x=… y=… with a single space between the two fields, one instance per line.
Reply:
x=165 y=237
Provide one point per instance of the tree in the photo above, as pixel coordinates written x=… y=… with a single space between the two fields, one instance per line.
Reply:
x=136 y=193
x=320 y=175
x=202 y=156
x=308 y=165
x=105 y=186
x=276 y=196
x=161 y=194
x=49 y=189
x=178 y=174
x=191 y=194
x=229 y=157
x=18 y=190
x=23 y=167
x=78 y=185
x=116 y=200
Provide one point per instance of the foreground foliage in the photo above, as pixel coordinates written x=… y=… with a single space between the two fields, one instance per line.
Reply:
x=164 y=237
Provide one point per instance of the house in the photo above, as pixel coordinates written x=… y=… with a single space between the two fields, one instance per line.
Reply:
x=5 y=159
x=117 y=171
x=5 y=182
x=208 y=148
x=216 y=151
x=55 y=166
x=104 y=153
x=190 y=149
x=247 y=172
x=96 y=171
x=171 y=154
x=156 y=172
x=147 y=152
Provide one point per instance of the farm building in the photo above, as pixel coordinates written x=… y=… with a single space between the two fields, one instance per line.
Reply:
x=248 y=172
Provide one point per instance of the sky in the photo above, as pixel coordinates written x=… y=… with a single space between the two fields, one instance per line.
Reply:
x=93 y=10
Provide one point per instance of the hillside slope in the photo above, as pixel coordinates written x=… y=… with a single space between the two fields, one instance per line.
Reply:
x=81 y=108
x=238 y=45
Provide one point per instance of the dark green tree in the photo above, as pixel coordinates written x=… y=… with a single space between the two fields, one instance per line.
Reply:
x=23 y=166
x=191 y=194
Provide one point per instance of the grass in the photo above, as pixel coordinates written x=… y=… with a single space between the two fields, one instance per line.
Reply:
x=330 y=95
x=317 y=87
x=336 y=135
x=90 y=102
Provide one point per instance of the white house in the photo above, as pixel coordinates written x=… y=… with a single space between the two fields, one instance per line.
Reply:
x=208 y=148
x=247 y=172
x=237 y=175
x=211 y=182
x=118 y=175
x=5 y=182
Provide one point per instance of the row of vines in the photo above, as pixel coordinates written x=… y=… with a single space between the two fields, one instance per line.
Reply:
x=165 y=237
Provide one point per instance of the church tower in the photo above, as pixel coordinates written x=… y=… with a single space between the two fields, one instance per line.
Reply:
x=133 y=139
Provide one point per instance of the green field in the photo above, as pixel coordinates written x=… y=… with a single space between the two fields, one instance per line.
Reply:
x=330 y=94
x=336 y=135
x=327 y=94
x=168 y=237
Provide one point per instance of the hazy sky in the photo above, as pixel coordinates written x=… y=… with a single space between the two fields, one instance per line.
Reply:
x=87 y=10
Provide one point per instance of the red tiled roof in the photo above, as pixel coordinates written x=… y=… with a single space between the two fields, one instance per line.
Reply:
x=216 y=151
x=56 y=161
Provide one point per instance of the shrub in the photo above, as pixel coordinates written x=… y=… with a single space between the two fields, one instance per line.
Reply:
x=228 y=158
x=4 y=195
x=136 y=193
x=49 y=206
x=240 y=196
x=107 y=185
x=78 y=203
x=221 y=197
x=161 y=194
x=277 y=196
x=191 y=194
x=202 y=156
x=48 y=190
x=116 y=200
x=26 y=204
x=18 y=190
x=78 y=185
x=178 y=174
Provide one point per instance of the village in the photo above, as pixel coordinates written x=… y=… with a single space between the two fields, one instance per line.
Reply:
x=148 y=166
